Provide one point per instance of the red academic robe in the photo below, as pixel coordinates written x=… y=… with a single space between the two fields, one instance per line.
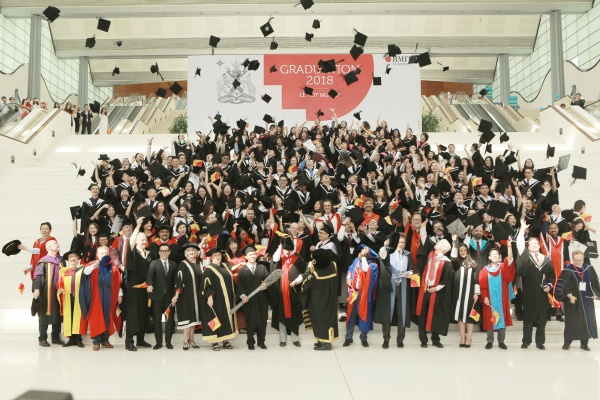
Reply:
x=508 y=275
x=95 y=317
x=35 y=258
x=413 y=239
x=555 y=250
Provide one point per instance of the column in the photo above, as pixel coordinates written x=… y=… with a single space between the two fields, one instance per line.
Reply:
x=504 y=78
x=82 y=87
x=34 y=74
x=557 y=71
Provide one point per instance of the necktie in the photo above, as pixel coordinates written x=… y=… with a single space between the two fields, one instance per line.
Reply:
x=166 y=266
x=431 y=273
x=478 y=249
x=537 y=260
x=252 y=269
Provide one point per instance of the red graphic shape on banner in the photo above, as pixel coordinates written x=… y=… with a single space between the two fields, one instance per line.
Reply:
x=294 y=72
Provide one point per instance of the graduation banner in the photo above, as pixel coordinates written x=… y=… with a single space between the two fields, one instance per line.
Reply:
x=229 y=85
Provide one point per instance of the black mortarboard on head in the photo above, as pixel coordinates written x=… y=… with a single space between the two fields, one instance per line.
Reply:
x=550 y=151
x=90 y=42
x=308 y=90
x=360 y=38
x=198 y=72
x=287 y=243
x=160 y=92
x=377 y=81
x=267 y=28
x=268 y=119
x=498 y=209
x=266 y=98
x=333 y=94
x=484 y=126
x=274 y=45
x=213 y=42
x=176 y=88
x=306 y=4
x=579 y=173
x=316 y=24
x=357 y=115
x=308 y=36
x=356 y=51
x=487 y=137
x=350 y=78
x=393 y=50
x=51 y=13
x=424 y=59
x=504 y=137
x=103 y=24
x=473 y=220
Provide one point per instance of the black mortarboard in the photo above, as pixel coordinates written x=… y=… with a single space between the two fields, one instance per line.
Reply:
x=563 y=162
x=397 y=214
x=273 y=69
x=356 y=51
x=143 y=212
x=90 y=42
x=268 y=119
x=424 y=59
x=306 y=4
x=241 y=124
x=487 y=137
x=500 y=230
x=473 y=220
x=444 y=185
x=95 y=106
x=377 y=81
x=213 y=41
x=258 y=129
x=360 y=38
x=75 y=212
x=316 y=24
x=266 y=98
x=500 y=185
x=274 y=45
x=127 y=221
x=198 y=72
x=333 y=94
x=393 y=50
x=327 y=66
x=51 y=13
x=11 y=248
x=308 y=90
x=320 y=113
x=482 y=92
x=281 y=124
x=442 y=147
x=388 y=69
x=498 y=209
x=350 y=78
x=550 y=151
x=214 y=228
x=217 y=116
x=246 y=63
x=579 y=172
x=116 y=71
x=510 y=159
x=488 y=148
x=212 y=251
x=287 y=243
x=413 y=59
x=308 y=36
x=444 y=69
x=160 y=92
x=103 y=157
x=266 y=202
x=357 y=115
x=267 y=29
x=253 y=65
x=176 y=88
x=499 y=172
x=80 y=172
x=504 y=137
x=103 y=24
x=484 y=126
x=356 y=216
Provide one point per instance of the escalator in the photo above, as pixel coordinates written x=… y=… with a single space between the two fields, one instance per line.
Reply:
x=497 y=117
x=463 y=113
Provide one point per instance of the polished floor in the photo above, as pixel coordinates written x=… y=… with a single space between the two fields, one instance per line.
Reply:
x=299 y=373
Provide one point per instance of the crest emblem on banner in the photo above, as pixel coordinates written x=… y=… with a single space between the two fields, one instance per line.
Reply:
x=244 y=93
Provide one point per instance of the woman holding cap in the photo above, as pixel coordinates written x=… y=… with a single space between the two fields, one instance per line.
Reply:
x=187 y=294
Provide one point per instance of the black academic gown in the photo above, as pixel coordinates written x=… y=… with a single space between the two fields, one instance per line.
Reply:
x=136 y=266
x=463 y=290
x=256 y=310
x=535 y=300
x=580 y=318
x=187 y=282
x=293 y=323
x=319 y=300
x=217 y=281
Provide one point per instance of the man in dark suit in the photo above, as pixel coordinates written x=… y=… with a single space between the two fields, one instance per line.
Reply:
x=161 y=286
x=86 y=120
x=578 y=101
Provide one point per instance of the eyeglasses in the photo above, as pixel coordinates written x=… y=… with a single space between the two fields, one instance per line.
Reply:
x=164 y=251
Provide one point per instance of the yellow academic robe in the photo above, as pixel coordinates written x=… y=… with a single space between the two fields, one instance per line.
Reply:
x=72 y=321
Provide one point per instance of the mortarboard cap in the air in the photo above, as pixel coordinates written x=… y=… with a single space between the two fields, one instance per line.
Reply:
x=550 y=151
x=308 y=36
x=487 y=137
x=266 y=98
x=90 y=42
x=484 y=126
x=273 y=69
x=327 y=66
x=377 y=81
x=316 y=24
x=424 y=59
x=258 y=129
x=497 y=209
x=308 y=90
x=350 y=78
x=333 y=94
x=213 y=41
x=161 y=92
x=579 y=172
x=103 y=24
x=267 y=28
x=500 y=230
x=176 y=88
x=306 y=4
x=357 y=115
x=488 y=148
x=393 y=50
x=95 y=107
x=473 y=220
x=504 y=137
x=51 y=13
x=356 y=51
x=444 y=69
x=253 y=65
x=75 y=212
x=360 y=38
x=274 y=45
x=388 y=69
x=268 y=119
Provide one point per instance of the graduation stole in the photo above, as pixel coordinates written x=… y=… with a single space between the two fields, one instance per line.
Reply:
x=553 y=249
x=286 y=265
x=415 y=241
x=438 y=275
x=50 y=276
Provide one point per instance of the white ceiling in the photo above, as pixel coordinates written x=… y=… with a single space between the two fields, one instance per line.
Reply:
x=466 y=35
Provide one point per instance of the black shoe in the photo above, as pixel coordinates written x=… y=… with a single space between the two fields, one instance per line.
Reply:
x=385 y=344
x=57 y=341
x=324 y=347
x=347 y=342
x=130 y=347
x=364 y=343
x=400 y=344
x=560 y=318
x=262 y=346
x=424 y=345
x=467 y=346
x=44 y=343
x=585 y=347
x=251 y=347
x=566 y=347
x=488 y=346
x=69 y=343
x=79 y=343
x=157 y=346
x=540 y=346
x=502 y=346
x=169 y=346
x=144 y=344
x=438 y=345
x=524 y=346
x=461 y=345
